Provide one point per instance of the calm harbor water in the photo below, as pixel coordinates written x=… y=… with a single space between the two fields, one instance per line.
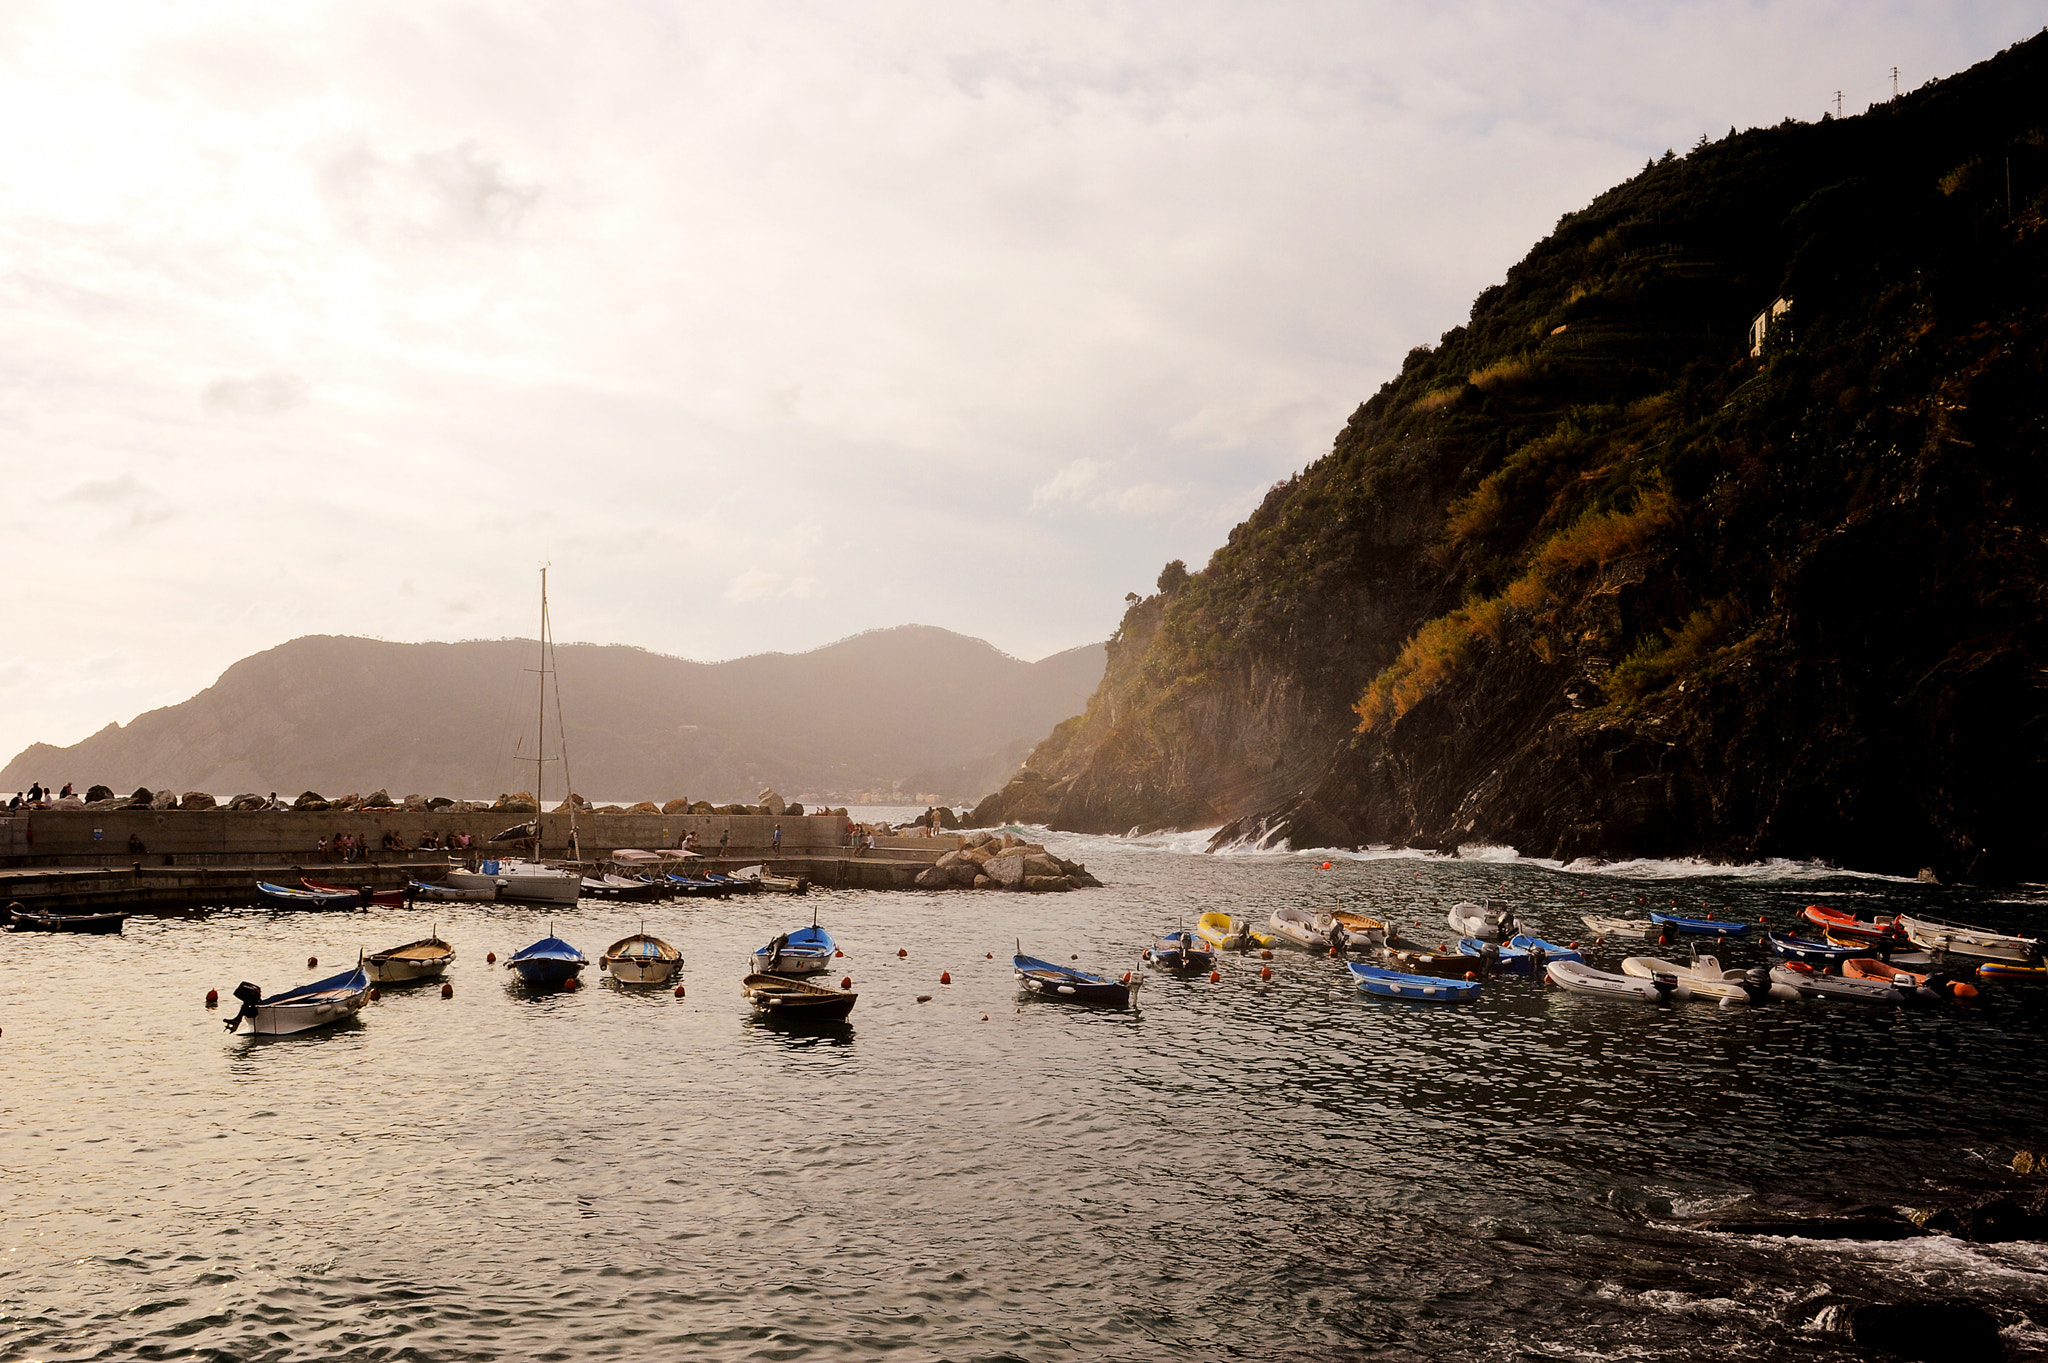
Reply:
x=1296 y=1171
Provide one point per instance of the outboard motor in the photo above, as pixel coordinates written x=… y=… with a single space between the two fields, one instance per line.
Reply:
x=250 y=995
x=1756 y=983
x=1498 y=912
x=1489 y=961
x=367 y=894
x=1539 y=962
x=1665 y=985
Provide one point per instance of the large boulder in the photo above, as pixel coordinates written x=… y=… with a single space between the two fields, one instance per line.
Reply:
x=703 y=807
x=416 y=803
x=644 y=807
x=679 y=806
x=771 y=803
x=441 y=802
x=980 y=838
x=243 y=804
x=379 y=799
x=1041 y=864
x=1006 y=871
x=1939 y=1332
x=197 y=799
x=1041 y=884
x=97 y=794
x=164 y=799
x=521 y=803
x=795 y=810
x=141 y=798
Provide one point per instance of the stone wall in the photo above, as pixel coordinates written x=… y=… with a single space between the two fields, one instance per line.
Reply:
x=67 y=836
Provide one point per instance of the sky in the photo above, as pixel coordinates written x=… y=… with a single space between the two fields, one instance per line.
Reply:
x=763 y=323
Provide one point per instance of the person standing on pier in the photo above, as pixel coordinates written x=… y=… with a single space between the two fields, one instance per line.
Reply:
x=775 y=840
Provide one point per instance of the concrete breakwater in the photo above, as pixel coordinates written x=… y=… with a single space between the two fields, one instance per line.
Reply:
x=79 y=861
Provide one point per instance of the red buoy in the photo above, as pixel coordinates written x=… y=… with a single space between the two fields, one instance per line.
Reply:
x=1127 y=977
x=569 y=985
x=991 y=955
x=375 y=993
x=1470 y=976
x=1574 y=946
x=679 y=991
x=945 y=977
x=490 y=958
x=1326 y=866
x=447 y=991
x=213 y=998
x=1215 y=975
x=901 y=953
x=836 y=952
x=1662 y=940
x=1265 y=972
x=1266 y=955
x=312 y=961
x=984 y=1017
x=846 y=982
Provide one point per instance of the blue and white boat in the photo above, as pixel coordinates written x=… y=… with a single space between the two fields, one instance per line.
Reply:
x=1809 y=952
x=548 y=963
x=1394 y=984
x=1700 y=927
x=1518 y=955
x=1182 y=952
x=319 y=1004
x=279 y=897
x=807 y=951
x=1065 y=983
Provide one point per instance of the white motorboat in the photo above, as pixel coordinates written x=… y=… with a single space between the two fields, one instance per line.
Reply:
x=1708 y=980
x=760 y=879
x=1494 y=922
x=453 y=894
x=421 y=960
x=1580 y=978
x=530 y=882
x=641 y=959
x=1816 y=984
x=1977 y=943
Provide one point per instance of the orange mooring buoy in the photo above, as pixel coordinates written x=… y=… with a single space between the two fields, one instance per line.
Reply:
x=1215 y=975
x=447 y=991
x=846 y=981
x=984 y=1017
x=1470 y=975
x=837 y=953
x=1266 y=954
x=901 y=953
x=375 y=993
x=312 y=961
x=991 y=955
x=1127 y=977
x=1265 y=972
x=945 y=977
x=1326 y=866
x=569 y=985
x=490 y=958
x=213 y=998
x=679 y=991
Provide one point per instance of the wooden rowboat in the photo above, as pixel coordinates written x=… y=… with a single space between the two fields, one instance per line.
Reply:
x=319 y=1004
x=780 y=996
x=1962 y=940
x=1069 y=985
x=641 y=959
x=1395 y=984
x=420 y=960
x=383 y=899
x=23 y=920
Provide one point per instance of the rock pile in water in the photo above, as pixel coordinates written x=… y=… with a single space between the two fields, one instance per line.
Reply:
x=1004 y=861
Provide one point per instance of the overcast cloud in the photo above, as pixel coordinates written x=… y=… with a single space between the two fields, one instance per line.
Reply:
x=765 y=323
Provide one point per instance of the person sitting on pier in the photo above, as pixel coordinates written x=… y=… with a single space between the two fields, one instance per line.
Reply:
x=35 y=793
x=135 y=847
x=15 y=803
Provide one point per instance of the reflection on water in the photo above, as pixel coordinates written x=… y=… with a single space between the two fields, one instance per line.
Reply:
x=1292 y=1169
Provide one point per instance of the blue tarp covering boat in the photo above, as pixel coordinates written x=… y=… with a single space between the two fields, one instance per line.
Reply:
x=550 y=961
x=319 y=1004
x=1393 y=984
x=807 y=951
x=1517 y=953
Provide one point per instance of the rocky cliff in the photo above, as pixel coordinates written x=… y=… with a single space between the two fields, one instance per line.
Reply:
x=1591 y=579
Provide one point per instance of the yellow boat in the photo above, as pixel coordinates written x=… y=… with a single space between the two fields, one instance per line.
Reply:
x=1362 y=931
x=1222 y=931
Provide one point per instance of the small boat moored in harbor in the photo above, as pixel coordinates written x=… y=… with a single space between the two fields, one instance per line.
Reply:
x=1699 y=927
x=1809 y=952
x=2009 y=973
x=522 y=881
x=1493 y=922
x=806 y=951
x=319 y=1004
x=1068 y=985
x=1519 y=955
x=26 y=920
x=780 y=884
x=641 y=959
x=1394 y=984
x=1837 y=923
x=1707 y=979
x=1617 y=927
x=1296 y=927
x=779 y=996
x=1181 y=952
x=1222 y=931
x=284 y=897
x=1959 y=939
x=453 y=894
x=1818 y=984
x=1936 y=986
x=1580 y=978
x=548 y=963
x=420 y=960
x=366 y=896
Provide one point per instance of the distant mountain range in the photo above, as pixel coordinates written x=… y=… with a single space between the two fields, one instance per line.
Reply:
x=912 y=713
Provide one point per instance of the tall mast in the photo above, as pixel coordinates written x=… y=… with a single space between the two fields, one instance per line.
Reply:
x=540 y=742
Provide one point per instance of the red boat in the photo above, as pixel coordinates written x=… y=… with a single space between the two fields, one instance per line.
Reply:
x=1849 y=925
x=384 y=899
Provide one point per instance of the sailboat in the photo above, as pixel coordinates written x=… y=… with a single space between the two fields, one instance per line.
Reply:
x=523 y=878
